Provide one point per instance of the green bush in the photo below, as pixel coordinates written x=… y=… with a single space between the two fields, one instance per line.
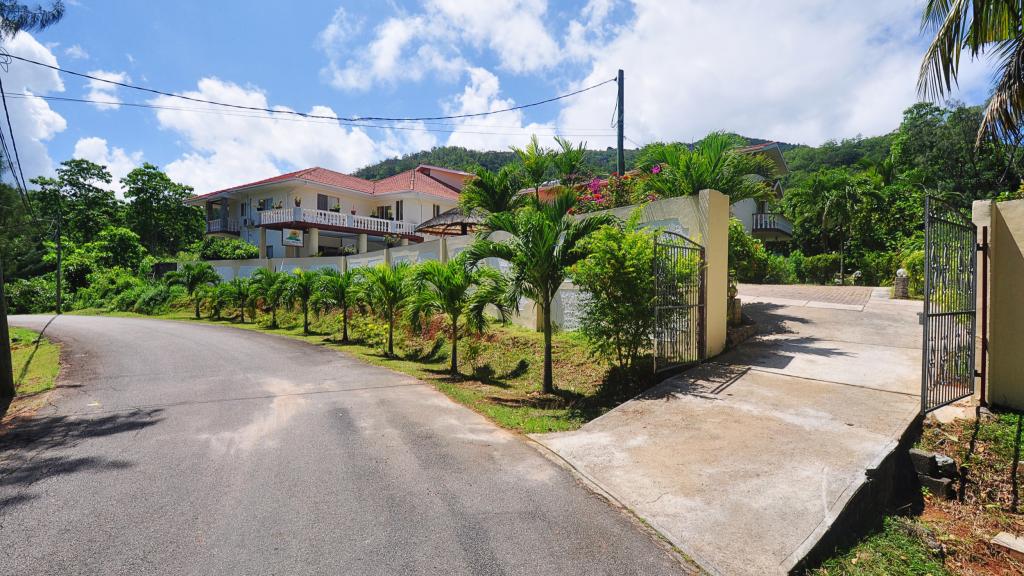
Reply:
x=821 y=268
x=878 y=268
x=797 y=260
x=747 y=256
x=32 y=295
x=780 y=270
x=913 y=262
x=104 y=285
x=218 y=248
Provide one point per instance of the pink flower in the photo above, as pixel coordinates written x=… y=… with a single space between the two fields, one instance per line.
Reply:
x=594 y=185
x=656 y=169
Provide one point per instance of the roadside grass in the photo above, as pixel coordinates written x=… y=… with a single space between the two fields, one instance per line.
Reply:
x=500 y=371
x=987 y=502
x=36 y=361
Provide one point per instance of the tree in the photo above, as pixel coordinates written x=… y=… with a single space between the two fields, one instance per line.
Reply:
x=338 y=290
x=15 y=16
x=977 y=27
x=78 y=195
x=534 y=161
x=570 y=162
x=714 y=163
x=544 y=242
x=194 y=276
x=269 y=290
x=216 y=296
x=240 y=293
x=157 y=211
x=387 y=291
x=302 y=287
x=493 y=192
x=459 y=292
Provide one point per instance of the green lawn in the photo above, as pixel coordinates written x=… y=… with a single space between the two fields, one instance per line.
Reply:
x=500 y=372
x=896 y=550
x=36 y=361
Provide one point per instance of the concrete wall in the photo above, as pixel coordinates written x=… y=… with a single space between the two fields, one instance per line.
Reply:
x=1006 y=305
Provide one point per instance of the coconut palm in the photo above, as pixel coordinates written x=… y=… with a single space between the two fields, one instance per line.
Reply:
x=714 y=163
x=193 y=275
x=977 y=27
x=387 y=291
x=338 y=290
x=461 y=293
x=570 y=162
x=534 y=160
x=216 y=297
x=269 y=288
x=240 y=292
x=301 y=287
x=544 y=242
x=493 y=192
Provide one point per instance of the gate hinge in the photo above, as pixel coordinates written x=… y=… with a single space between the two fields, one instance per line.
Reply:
x=982 y=247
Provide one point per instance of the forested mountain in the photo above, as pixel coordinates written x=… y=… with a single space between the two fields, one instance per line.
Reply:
x=458 y=158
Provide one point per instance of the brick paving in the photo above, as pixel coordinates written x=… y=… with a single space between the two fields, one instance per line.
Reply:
x=850 y=295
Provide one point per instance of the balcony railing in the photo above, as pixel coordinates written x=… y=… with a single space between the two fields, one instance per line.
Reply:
x=218 y=225
x=768 y=222
x=335 y=219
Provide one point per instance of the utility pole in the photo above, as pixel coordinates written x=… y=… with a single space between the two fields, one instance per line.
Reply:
x=6 y=365
x=59 y=247
x=621 y=124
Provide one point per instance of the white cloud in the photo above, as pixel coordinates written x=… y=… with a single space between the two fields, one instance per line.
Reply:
x=103 y=92
x=407 y=47
x=225 y=148
x=32 y=120
x=495 y=132
x=118 y=162
x=75 y=51
x=801 y=71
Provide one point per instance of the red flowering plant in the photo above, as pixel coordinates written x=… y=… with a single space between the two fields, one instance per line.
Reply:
x=592 y=197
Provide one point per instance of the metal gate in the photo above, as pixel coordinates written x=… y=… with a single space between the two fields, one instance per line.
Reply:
x=950 y=287
x=680 y=294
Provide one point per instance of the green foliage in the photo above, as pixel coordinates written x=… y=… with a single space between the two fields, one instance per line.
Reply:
x=156 y=210
x=338 y=291
x=301 y=288
x=387 y=291
x=616 y=277
x=493 y=192
x=780 y=270
x=240 y=293
x=104 y=285
x=747 y=256
x=193 y=276
x=534 y=162
x=898 y=549
x=821 y=268
x=80 y=195
x=219 y=248
x=913 y=263
x=31 y=295
x=270 y=289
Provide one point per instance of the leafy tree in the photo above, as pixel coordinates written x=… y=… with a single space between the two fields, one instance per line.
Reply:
x=157 y=211
x=459 y=292
x=545 y=240
x=270 y=291
x=16 y=16
x=974 y=27
x=302 y=287
x=218 y=248
x=194 y=276
x=387 y=291
x=21 y=249
x=570 y=162
x=534 y=161
x=339 y=290
x=493 y=192
x=616 y=277
x=240 y=294
x=714 y=163
x=78 y=195
x=217 y=297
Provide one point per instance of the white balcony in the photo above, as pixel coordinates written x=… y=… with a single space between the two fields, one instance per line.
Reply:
x=769 y=222
x=336 y=220
x=229 y=225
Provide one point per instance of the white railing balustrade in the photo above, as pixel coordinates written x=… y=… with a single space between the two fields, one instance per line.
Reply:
x=329 y=218
x=771 y=221
x=218 y=225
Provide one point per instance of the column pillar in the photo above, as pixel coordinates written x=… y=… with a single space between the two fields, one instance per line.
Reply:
x=405 y=241
x=361 y=246
x=443 y=249
x=313 y=246
x=263 y=242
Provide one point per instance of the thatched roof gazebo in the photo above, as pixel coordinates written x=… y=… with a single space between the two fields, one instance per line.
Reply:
x=454 y=222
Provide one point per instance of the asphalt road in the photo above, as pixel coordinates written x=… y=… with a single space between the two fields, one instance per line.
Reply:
x=177 y=448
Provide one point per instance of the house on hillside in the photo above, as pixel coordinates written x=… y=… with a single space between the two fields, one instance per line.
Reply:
x=317 y=211
x=756 y=215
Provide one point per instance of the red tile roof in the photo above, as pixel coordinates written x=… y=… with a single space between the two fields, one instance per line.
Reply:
x=415 y=180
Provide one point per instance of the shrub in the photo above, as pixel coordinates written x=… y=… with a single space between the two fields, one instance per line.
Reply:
x=913 y=262
x=797 y=260
x=747 y=256
x=878 y=268
x=217 y=248
x=821 y=268
x=153 y=299
x=779 y=270
x=32 y=295
x=105 y=285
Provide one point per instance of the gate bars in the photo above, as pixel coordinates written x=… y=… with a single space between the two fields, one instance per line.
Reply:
x=679 y=307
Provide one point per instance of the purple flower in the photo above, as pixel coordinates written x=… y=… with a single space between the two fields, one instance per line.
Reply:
x=656 y=169
x=595 y=185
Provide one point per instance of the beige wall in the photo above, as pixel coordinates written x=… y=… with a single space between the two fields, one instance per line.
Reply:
x=1006 y=305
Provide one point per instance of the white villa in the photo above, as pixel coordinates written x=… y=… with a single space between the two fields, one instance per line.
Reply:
x=317 y=211
x=755 y=215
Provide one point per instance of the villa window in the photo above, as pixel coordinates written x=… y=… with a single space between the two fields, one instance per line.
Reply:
x=384 y=212
x=399 y=209
x=437 y=210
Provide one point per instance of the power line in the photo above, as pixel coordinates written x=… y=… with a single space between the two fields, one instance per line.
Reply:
x=595 y=132
x=14 y=144
x=303 y=114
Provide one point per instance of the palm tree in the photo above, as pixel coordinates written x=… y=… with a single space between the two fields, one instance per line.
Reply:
x=714 y=163
x=193 y=275
x=534 y=161
x=570 y=162
x=338 y=290
x=387 y=291
x=217 y=297
x=493 y=192
x=974 y=27
x=269 y=289
x=301 y=288
x=460 y=292
x=240 y=291
x=544 y=242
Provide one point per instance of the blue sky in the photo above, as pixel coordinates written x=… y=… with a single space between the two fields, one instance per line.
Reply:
x=799 y=71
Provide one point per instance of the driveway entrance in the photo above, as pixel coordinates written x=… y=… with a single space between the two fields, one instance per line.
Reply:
x=746 y=461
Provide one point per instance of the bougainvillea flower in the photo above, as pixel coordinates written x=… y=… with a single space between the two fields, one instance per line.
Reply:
x=656 y=169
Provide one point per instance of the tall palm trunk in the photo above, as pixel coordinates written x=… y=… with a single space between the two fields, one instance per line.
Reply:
x=549 y=385
x=391 y=335
x=305 y=316
x=195 y=298
x=344 y=324
x=455 y=345
x=273 y=317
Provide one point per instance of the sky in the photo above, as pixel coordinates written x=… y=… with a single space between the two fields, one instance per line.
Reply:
x=800 y=71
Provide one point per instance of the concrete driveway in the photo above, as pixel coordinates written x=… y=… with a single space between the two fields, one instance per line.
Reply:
x=177 y=448
x=745 y=461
